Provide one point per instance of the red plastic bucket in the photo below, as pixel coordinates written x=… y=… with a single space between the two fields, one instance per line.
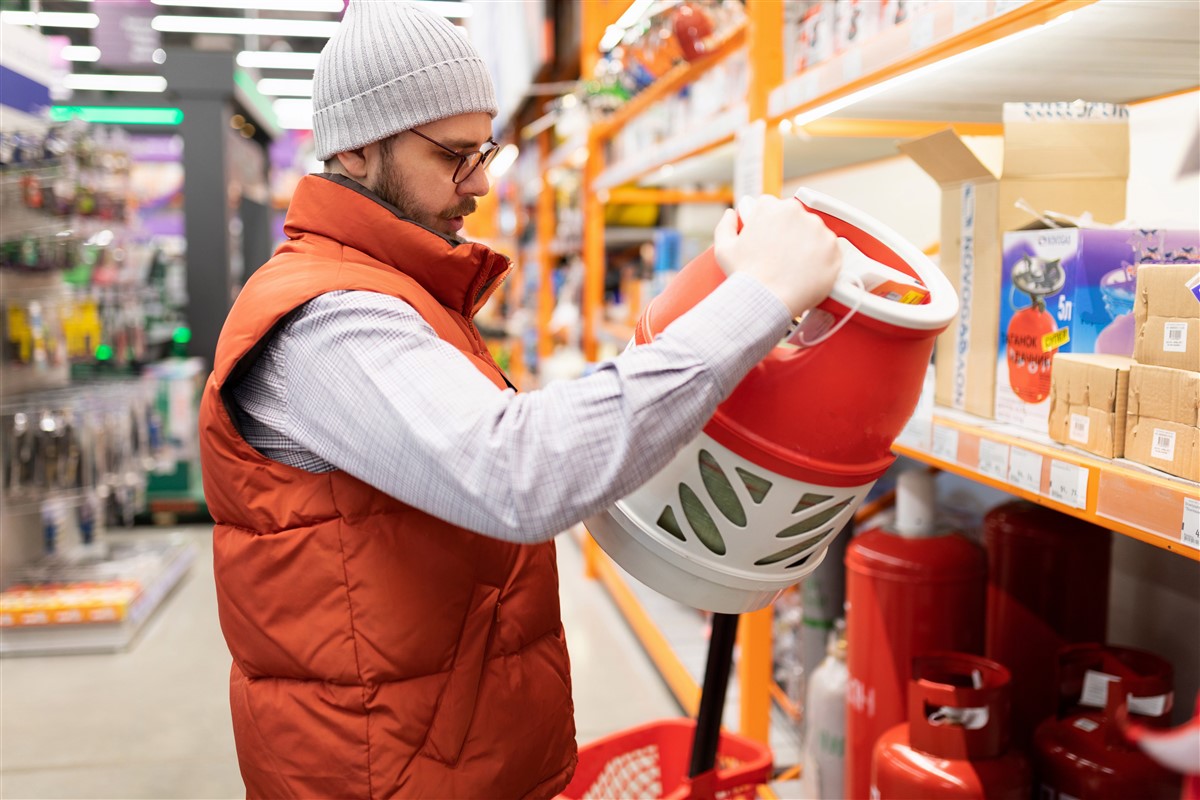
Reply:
x=651 y=761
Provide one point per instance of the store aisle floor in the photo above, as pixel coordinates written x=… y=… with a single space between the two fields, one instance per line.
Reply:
x=153 y=722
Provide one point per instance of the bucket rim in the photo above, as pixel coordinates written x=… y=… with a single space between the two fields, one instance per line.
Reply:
x=943 y=300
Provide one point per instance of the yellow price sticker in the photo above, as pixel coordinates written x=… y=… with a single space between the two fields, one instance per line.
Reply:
x=1055 y=339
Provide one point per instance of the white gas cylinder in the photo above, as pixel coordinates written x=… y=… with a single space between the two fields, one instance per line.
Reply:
x=825 y=718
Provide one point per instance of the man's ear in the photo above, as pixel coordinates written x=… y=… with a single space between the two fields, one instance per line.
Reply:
x=354 y=163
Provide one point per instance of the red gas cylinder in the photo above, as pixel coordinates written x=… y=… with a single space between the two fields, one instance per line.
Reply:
x=749 y=507
x=955 y=743
x=1048 y=576
x=1029 y=359
x=1083 y=754
x=911 y=590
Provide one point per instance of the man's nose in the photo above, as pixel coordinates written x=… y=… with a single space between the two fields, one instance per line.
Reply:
x=476 y=185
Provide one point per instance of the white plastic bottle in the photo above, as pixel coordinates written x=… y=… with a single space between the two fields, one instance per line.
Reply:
x=825 y=712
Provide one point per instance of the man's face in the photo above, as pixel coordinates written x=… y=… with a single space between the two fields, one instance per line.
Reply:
x=416 y=175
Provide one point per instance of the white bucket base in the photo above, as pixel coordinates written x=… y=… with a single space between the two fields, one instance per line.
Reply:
x=626 y=541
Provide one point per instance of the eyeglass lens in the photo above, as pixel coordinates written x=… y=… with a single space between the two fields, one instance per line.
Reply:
x=472 y=161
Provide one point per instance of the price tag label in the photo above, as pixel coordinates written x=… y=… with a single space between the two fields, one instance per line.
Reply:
x=921 y=35
x=917 y=431
x=1068 y=484
x=807 y=88
x=1005 y=6
x=1025 y=470
x=748 y=166
x=852 y=66
x=1189 y=529
x=945 y=443
x=969 y=13
x=993 y=459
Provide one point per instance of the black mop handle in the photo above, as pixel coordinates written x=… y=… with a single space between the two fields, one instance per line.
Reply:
x=712 y=696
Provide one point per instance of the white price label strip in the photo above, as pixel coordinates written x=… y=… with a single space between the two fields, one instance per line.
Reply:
x=1025 y=470
x=1068 y=484
x=921 y=34
x=945 y=443
x=1189 y=529
x=748 y=165
x=993 y=459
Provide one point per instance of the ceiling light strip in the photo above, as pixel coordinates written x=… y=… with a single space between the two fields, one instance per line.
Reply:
x=117 y=115
x=308 y=6
x=269 y=59
x=80 y=52
x=245 y=26
x=285 y=87
x=115 y=83
x=51 y=19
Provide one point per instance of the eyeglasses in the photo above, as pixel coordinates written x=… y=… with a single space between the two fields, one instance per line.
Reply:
x=467 y=162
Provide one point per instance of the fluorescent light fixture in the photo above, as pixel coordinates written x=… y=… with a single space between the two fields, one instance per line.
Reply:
x=293 y=106
x=295 y=114
x=503 y=160
x=80 y=52
x=270 y=59
x=611 y=38
x=286 y=87
x=245 y=26
x=833 y=106
x=613 y=33
x=51 y=19
x=633 y=13
x=313 y=6
x=115 y=83
x=117 y=115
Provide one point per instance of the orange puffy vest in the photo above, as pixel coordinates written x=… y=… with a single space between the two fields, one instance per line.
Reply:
x=377 y=651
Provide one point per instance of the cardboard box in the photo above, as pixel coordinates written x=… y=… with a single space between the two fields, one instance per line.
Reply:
x=1167 y=313
x=1163 y=426
x=1088 y=402
x=1068 y=290
x=1071 y=158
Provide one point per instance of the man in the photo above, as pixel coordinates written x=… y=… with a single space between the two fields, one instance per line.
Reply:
x=385 y=504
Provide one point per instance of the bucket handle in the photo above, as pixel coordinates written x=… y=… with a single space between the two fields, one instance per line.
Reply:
x=858 y=298
x=745 y=207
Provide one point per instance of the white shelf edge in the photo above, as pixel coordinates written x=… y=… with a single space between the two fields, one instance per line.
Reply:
x=715 y=130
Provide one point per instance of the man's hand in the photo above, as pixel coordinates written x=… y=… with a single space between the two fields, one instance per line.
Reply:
x=784 y=246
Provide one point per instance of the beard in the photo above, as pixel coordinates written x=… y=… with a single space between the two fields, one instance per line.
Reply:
x=392 y=189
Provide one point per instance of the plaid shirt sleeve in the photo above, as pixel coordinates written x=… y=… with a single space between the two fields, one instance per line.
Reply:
x=358 y=381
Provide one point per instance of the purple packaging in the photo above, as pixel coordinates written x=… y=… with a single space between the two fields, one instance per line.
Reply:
x=1069 y=290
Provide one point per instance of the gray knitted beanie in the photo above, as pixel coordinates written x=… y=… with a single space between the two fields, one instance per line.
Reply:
x=389 y=67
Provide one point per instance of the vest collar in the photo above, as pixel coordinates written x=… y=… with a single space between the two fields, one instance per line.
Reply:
x=460 y=275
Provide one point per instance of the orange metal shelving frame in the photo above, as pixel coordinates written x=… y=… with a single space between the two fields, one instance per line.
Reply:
x=1111 y=489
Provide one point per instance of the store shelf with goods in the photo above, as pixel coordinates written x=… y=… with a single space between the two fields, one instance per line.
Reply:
x=714 y=132
x=1115 y=494
x=98 y=601
x=962 y=61
x=949 y=65
x=91 y=305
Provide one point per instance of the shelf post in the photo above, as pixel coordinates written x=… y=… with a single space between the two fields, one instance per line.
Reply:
x=593 y=246
x=545 y=237
x=765 y=46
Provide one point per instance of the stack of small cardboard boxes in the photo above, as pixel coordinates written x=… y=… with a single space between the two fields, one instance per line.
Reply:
x=1070 y=158
x=1145 y=408
x=1162 y=429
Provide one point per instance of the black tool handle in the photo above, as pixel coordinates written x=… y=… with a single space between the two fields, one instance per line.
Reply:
x=712 y=696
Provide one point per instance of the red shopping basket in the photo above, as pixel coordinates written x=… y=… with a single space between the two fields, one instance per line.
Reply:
x=651 y=761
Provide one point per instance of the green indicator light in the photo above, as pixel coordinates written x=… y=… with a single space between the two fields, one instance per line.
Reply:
x=104 y=352
x=118 y=115
x=181 y=335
